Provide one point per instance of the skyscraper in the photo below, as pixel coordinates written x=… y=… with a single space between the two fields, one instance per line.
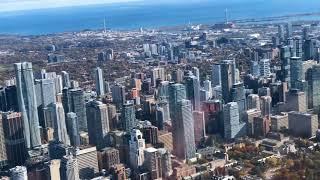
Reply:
x=216 y=75
x=77 y=105
x=264 y=65
x=99 y=81
x=285 y=64
x=69 y=169
x=118 y=95
x=152 y=162
x=183 y=131
x=281 y=32
x=73 y=129
x=265 y=105
x=14 y=137
x=53 y=169
x=136 y=148
x=28 y=103
x=3 y=152
x=193 y=91
x=196 y=72
x=199 y=126
x=288 y=30
x=238 y=95
x=227 y=79
x=128 y=116
x=87 y=158
x=232 y=126
x=158 y=73
x=98 y=123
x=177 y=92
x=60 y=128
x=65 y=80
x=253 y=101
x=296 y=71
x=313 y=78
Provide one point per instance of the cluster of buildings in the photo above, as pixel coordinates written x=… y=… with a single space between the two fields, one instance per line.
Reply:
x=157 y=122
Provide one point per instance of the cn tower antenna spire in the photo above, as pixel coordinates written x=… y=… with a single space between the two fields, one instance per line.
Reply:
x=226 y=16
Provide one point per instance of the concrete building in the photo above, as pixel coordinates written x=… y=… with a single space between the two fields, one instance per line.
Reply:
x=303 y=124
x=77 y=105
x=279 y=122
x=53 y=169
x=136 y=148
x=69 y=169
x=296 y=101
x=264 y=67
x=192 y=84
x=98 y=74
x=232 y=126
x=87 y=162
x=128 y=116
x=265 y=105
x=3 y=151
x=60 y=128
x=253 y=101
x=199 y=126
x=98 y=123
x=228 y=78
x=183 y=131
x=28 y=103
x=108 y=157
x=73 y=129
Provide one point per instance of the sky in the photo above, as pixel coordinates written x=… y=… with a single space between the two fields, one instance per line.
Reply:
x=17 y=5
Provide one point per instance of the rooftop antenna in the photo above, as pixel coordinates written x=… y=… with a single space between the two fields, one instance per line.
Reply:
x=226 y=16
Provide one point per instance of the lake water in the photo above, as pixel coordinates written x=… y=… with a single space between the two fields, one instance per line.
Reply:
x=136 y=15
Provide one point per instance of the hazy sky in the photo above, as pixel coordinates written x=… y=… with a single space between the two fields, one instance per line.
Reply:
x=14 y=5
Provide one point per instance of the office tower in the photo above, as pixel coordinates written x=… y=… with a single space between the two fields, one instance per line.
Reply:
x=150 y=134
x=207 y=86
x=98 y=123
x=69 y=169
x=177 y=76
x=19 y=173
x=28 y=103
x=73 y=129
x=87 y=162
x=158 y=73
x=162 y=114
x=193 y=91
x=77 y=105
x=152 y=162
x=58 y=84
x=278 y=92
x=199 y=126
x=281 y=32
x=249 y=118
x=227 y=79
x=253 y=101
x=285 y=64
x=99 y=81
x=196 y=72
x=216 y=75
x=45 y=89
x=166 y=164
x=108 y=157
x=261 y=126
x=313 y=78
x=118 y=95
x=65 y=80
x=3 y=152
x=112 y=116
x=264 y=67
x=303 y=124
x=128 y=116
x=265 y=105
x=288 y=30
x=232 y=126
x=309 y=49
x=102 y=56
x=306 y=32
x=136 y=148
x=60 y=128
x=53 y=169
x=109 y=54
x=8 y=99
x=163 y=89
x=255 y=68
x=238 y=95
x=296 y=101
x=183 y=131
x=298 y=45
x=296 y=70
x=14 y=137
x=279 y=122
x=177 y=92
